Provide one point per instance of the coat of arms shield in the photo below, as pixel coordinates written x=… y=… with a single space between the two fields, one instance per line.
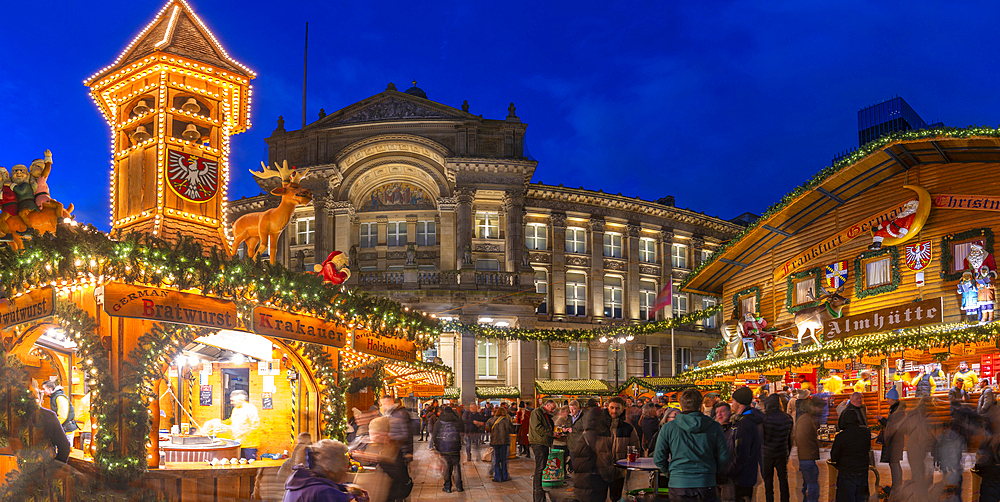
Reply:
x=918 y=255
x=193 y=178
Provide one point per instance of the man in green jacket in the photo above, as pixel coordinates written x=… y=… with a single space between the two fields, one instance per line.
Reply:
x=540 y=430
x=691 y=449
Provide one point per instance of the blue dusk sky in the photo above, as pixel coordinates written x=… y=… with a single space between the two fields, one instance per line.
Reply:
x=725 y=105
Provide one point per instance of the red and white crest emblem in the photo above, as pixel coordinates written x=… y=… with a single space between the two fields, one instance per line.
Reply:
x=193 y=178
x=918 y=256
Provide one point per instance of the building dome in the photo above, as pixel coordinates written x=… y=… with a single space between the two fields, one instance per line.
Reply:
x=416 y=91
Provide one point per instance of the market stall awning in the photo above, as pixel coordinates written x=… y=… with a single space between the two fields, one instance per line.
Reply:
x=575 y=388
x=660 y=384
x=498 y=392
x=873 y=164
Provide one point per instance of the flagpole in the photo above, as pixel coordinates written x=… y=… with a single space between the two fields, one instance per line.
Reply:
x=673 y=353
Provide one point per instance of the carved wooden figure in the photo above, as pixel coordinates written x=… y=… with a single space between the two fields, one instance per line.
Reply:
x=255 y=228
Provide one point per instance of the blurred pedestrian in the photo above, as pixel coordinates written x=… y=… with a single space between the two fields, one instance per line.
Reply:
x=919 y=442
x=590 y=484
x=649 y=426
x=393 y=483
x=540 y=435
x=776 y=447
x=747 y=421
x=400 y=424
x=986 y=397
x=893 y=439
x=807 y=448
x=988 y=467
x=850 y=453
x=523 y=422
x=321 y=477
x=473 y=421
x=448 y=442
x=722 y=414
x=500 y=429
x=691 y=449
x=423 y=420
x=298 y=456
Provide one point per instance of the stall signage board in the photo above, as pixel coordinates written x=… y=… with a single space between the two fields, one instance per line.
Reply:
x=391 y=348
x=725 y=378
x=906 y=315
x=748 y=376
x=30 y=306
x=776 y=372
x=267 y=401
x=156 y=304
x=802 y=369
x=986 y=365
x=298 y=327
x=938 y=350
x=835 y=365
x=205 y=395
x=912 y=354
x=427 y=390
x=705 y=382
x=872 y=360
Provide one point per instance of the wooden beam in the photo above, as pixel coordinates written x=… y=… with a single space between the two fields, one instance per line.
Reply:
x=830 y=195
x=940 y=151
x=777 y=231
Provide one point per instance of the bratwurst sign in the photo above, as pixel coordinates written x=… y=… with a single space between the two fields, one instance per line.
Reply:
x=155 y=304
x=28 y=307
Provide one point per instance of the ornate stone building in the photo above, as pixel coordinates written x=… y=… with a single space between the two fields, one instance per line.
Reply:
x=436 y=209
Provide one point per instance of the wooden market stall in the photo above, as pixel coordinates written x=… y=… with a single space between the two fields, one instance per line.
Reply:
x=565 y=390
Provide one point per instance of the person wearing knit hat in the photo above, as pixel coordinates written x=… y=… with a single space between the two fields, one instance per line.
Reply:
x=747 y=422
x=892 y=394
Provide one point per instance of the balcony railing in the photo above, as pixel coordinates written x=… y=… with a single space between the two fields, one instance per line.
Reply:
x=438 y=278
x=496 y=279
x=381 y=279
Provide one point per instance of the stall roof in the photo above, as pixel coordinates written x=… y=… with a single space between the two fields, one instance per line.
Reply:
x=876 y=162
x=660 y=384
x=498 y=392
x=575 y=388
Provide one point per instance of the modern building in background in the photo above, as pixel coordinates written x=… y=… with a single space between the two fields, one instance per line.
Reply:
x=887 y=117
x=436 y=209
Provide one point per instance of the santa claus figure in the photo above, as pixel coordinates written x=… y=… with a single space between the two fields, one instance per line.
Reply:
x=334 y=269
x=895 y=228
x=979 y=258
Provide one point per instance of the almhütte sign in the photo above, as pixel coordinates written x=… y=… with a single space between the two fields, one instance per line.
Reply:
x=906 y=315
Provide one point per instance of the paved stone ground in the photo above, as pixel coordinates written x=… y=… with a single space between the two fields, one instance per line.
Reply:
x=479 y=486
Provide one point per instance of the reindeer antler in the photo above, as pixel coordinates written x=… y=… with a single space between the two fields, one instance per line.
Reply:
x=298 y=175
x=282 y=172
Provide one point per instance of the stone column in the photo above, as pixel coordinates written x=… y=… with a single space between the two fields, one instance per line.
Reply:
x=526 y=365
x=463 y=221
x=343 y=214
x=632 y=280
x=411 y=229
x=596 y=307
x=513 y=205
x=559 y=360
x=320 y=250
x=447 y=349
x=557 y=279
x=465 y=372
x=633 y=359
x=446 y=233
x=667 y=270
x=598 y=360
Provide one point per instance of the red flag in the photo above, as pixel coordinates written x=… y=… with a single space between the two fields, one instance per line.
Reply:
x=663 y=299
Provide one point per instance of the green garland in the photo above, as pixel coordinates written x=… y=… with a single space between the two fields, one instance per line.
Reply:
x=575 y=335
x=790 y=291
x=884 y=343
x=829 y=171
x=144 y=259
x=860 y=277
x=947 y=258
x=738 y=294
x=719 y=349
x=498 y=393
x=331 y=399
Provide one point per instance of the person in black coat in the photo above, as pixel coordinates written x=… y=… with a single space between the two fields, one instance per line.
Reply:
x=776 y=446
x=850 y=454
x=747 y=422
x=448 y=431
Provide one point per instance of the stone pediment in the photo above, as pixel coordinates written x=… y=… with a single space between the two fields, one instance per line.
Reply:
x=392 y=106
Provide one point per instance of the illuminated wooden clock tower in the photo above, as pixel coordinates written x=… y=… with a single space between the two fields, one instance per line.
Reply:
x=173 y=98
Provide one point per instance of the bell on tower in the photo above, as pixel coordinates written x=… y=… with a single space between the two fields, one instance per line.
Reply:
x=192 y=97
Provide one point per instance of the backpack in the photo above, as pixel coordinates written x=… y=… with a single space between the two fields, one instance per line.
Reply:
x=449 y=440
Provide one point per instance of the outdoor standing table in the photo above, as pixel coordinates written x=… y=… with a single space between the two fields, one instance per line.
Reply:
x=643 y=464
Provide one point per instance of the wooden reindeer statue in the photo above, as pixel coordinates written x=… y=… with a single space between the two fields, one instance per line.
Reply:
x=256 y=228
x=812 y=320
